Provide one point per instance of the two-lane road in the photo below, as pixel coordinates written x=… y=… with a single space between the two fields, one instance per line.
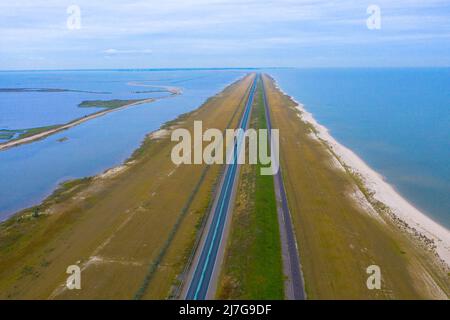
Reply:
x=205 y=265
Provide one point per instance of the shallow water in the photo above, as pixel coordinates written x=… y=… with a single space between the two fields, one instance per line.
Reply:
x=396 y=120
x=30 y=172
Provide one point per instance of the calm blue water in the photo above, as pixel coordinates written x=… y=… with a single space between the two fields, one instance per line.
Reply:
x=22 y=110
x=397 y=120
x=30 y=172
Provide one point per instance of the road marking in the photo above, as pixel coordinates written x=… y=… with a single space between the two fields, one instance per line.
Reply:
x=223 y=196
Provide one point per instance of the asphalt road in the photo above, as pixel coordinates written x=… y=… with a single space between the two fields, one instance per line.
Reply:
x=205 y=265
x=294 y=286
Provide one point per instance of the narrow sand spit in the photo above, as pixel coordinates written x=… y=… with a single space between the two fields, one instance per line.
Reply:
x=405 y=215
x=172 y=90
x=74 y=123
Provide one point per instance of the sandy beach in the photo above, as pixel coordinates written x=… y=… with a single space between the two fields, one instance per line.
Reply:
x=407 y=217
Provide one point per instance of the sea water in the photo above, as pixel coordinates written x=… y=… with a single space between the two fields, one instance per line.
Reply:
x=396 y=120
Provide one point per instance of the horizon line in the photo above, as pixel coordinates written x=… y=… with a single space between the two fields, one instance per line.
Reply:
x=224 y=68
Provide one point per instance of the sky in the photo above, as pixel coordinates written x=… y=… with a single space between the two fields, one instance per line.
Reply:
x=98 y=34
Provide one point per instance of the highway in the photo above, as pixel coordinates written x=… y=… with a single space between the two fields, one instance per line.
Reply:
x=294 y=285
x=206 y=263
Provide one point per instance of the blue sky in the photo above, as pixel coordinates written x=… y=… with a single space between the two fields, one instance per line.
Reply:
x=223 y=33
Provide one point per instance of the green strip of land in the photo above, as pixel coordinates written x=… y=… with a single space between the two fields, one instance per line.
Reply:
x=108 y=104
x=253 y=267
x=23 y=133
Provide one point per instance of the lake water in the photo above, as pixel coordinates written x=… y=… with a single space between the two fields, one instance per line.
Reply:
x=397 y=120
x=30 y=172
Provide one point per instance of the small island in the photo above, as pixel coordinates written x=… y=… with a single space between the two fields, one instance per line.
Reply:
x=107 y=104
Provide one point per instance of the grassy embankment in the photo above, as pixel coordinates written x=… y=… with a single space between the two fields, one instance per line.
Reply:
x=337 y=238
x=252 y=267
x=130 y=230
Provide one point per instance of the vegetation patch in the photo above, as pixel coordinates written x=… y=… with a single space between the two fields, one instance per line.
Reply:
x=108 y=104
